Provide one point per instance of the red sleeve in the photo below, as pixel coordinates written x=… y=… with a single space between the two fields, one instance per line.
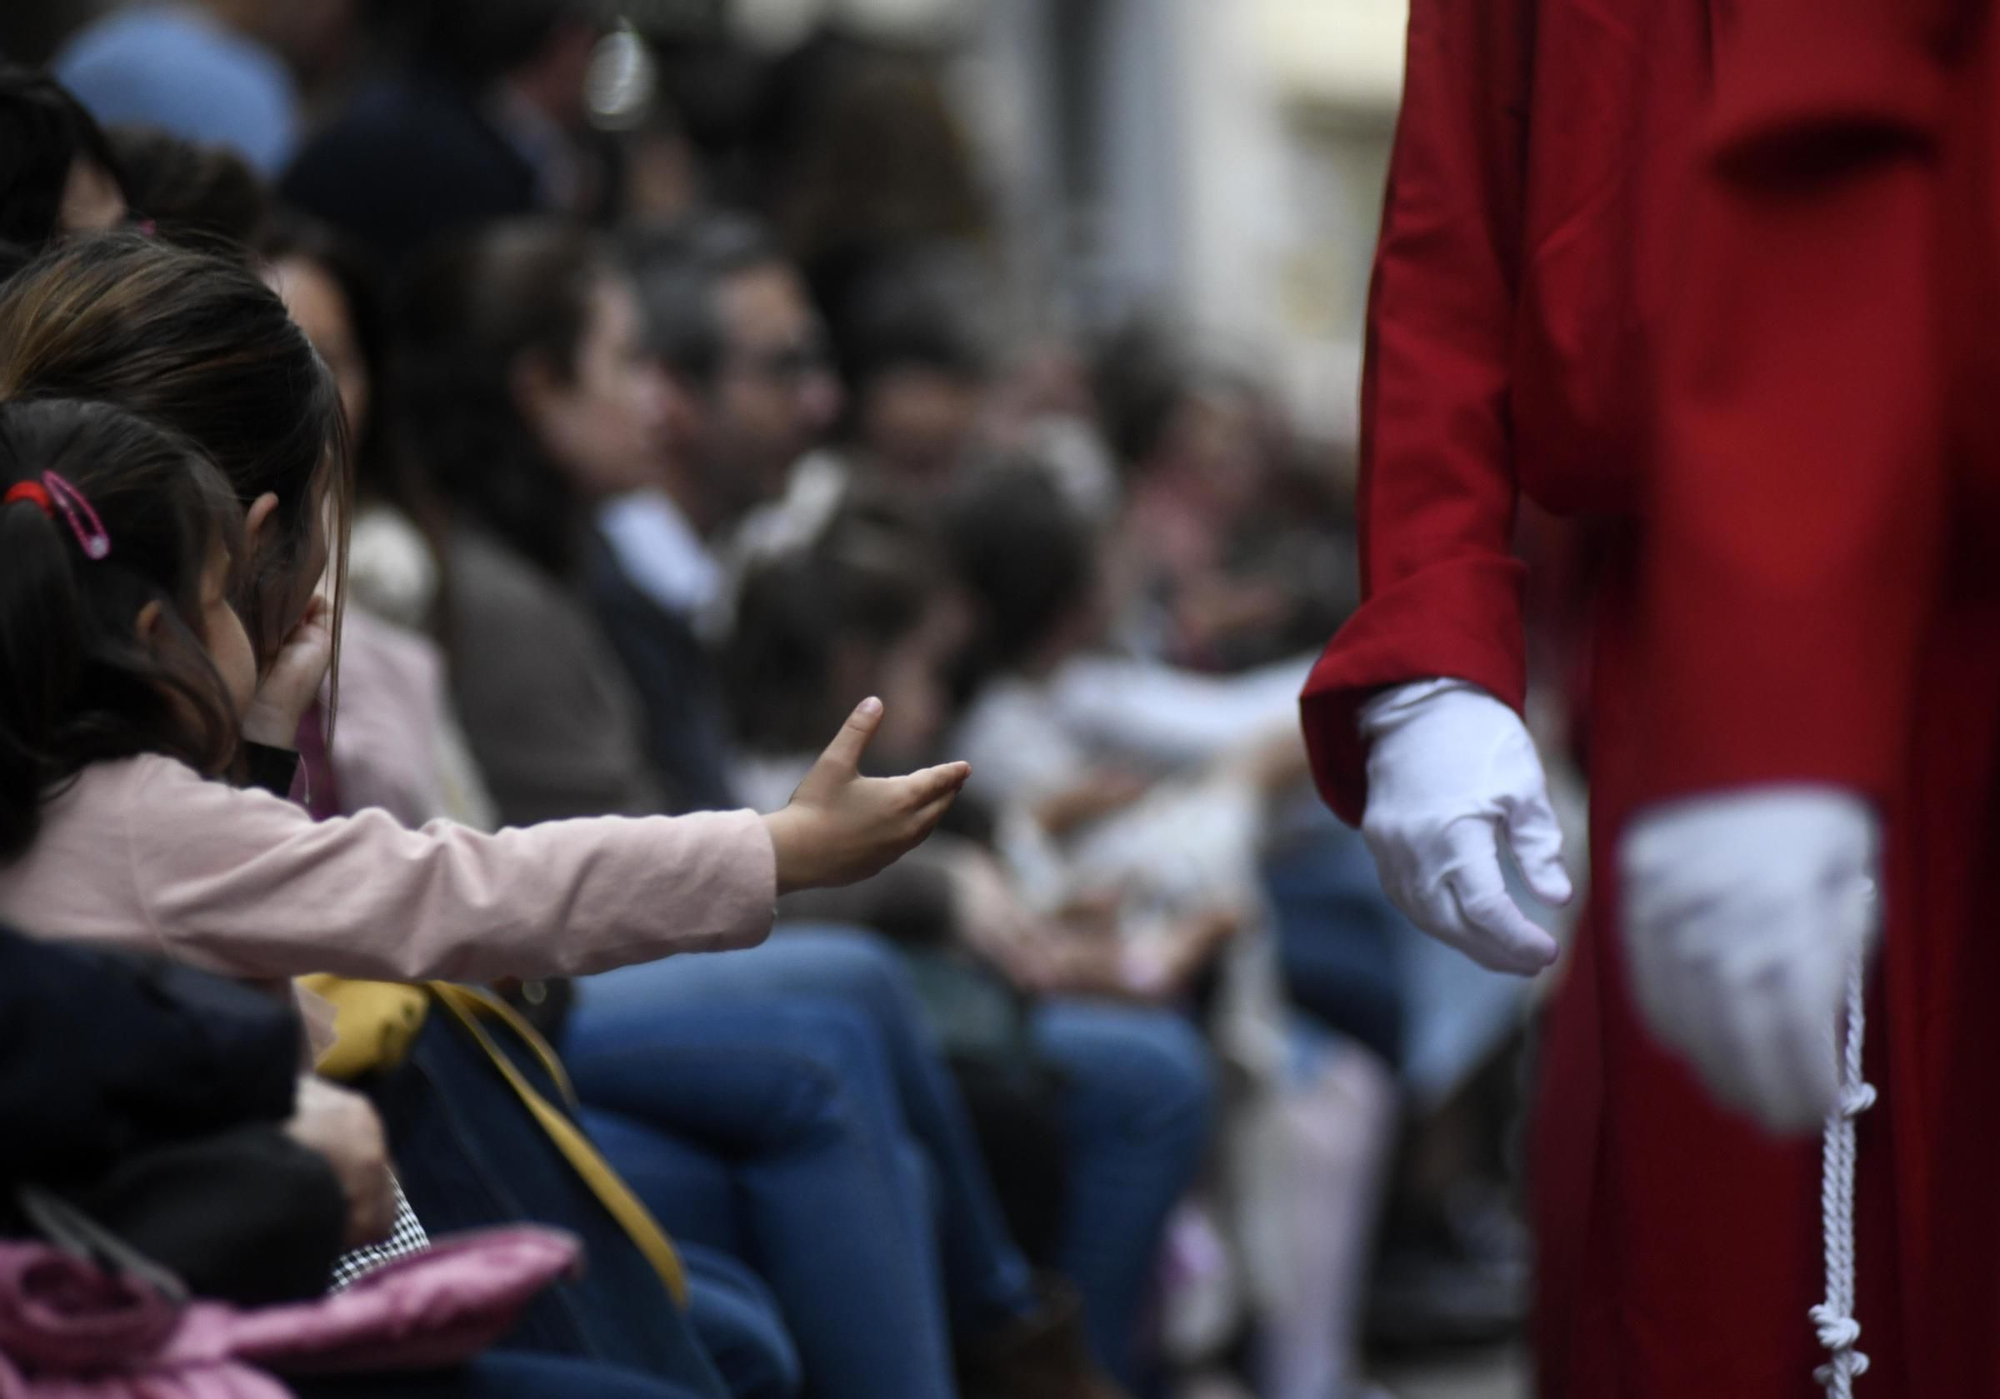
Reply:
x=1794 y=514
x=1441 y=594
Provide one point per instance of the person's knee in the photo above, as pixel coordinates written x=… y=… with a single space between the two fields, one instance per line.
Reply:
x=860 y=968
x=1147 y=1071
x=738 y=1322
x=840 y=1061
x=1179 y=1080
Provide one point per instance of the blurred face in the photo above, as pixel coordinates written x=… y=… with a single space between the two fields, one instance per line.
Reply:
x=91 y=199
x=605 y=425
x=775 y=394
x=316 y=302
x=1217 y=439
x=917 y=421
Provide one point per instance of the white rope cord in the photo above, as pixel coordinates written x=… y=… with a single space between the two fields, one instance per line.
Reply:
x=1839 y=1332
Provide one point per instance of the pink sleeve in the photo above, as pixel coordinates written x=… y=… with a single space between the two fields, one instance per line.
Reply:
x=250 y=885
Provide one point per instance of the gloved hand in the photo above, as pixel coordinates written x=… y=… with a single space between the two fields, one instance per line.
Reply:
x=1451 y=770
x=1742 y=913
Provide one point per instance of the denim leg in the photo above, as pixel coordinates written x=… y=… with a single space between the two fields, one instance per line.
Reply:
x=500 y=1374
x=986 y=1279
x=1339 y=937
x=698 y=1184
x=737 y=1320
x=795 y=1097
x=1138 y=1097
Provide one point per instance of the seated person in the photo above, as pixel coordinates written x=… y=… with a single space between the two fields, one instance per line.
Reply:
x=867 y=602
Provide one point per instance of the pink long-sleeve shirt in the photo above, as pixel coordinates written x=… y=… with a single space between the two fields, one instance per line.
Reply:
x=146 y=853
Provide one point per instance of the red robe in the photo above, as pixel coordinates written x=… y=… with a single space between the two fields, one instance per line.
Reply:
x=1572 y=247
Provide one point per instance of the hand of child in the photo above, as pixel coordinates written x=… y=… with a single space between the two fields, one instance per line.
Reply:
x=841 y=827
x=292 y=684
x=342 y=1126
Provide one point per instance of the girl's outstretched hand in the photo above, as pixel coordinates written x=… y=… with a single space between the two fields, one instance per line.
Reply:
x=292 y=684
x=842 y=827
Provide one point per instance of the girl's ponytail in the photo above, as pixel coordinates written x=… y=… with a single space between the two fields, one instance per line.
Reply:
x=41 y=632
x=104 y=514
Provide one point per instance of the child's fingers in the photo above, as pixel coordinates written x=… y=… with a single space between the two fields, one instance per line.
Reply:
x=318 y=616
x=943 y=781
x=931 y=814
x=851 y=742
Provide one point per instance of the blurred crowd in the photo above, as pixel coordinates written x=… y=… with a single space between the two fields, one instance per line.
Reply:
x=688 y=402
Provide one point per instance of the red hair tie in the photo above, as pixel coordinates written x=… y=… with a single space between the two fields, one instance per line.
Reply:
x=52 y=493
x=32 y=492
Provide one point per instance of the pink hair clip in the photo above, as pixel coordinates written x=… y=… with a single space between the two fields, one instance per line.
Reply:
x=53 y=493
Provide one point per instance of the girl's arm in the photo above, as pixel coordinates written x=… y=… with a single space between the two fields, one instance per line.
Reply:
x=250 y=885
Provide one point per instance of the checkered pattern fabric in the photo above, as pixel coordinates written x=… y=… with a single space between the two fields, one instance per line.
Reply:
x=405 y=1238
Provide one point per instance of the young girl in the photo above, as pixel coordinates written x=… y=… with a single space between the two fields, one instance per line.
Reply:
x=120 y=543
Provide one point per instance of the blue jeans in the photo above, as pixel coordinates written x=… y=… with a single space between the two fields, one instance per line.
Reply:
x=985 y=1278
x=737 y=1321
x=1137 y=1101
x=767 y=1130
x=1339 y=937
x=500 y=1374
x=1357 y=965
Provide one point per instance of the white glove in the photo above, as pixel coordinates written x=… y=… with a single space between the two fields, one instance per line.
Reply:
x=1742 y=914
x=1450 y=770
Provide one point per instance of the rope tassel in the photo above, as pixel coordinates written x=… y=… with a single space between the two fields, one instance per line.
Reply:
x=1839 y=1332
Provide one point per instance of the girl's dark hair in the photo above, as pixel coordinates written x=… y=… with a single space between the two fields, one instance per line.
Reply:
x=870 y=576
x=81 y=685
x=199 y=345
x=43 y=130
x=197 y=195
x=1026 y=556
x=471 y=311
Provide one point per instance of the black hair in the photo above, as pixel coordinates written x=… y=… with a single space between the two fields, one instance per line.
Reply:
x=680 y=271
x=43 y=131
x=1145 y=375
x=870 y=575
x=1026 y=556
x=82 y=686
x=900 y=323
x=480 y=41
x=469 y=311
x=200 y=196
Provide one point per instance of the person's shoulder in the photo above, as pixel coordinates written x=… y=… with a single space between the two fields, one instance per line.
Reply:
x=120 y=793
x=153 y=39
x=503 y=607
x=141 y=770
x=488 y=576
